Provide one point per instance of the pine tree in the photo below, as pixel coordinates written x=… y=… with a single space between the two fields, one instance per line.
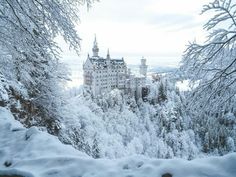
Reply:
x=162 y=95
x=95 y=149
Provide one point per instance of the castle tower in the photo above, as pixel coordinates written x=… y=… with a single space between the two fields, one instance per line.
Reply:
x=108 y=58
x=95 y=48
x=143 y=67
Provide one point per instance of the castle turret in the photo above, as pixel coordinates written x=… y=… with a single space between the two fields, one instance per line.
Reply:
x=95 y=48
x=143 y=67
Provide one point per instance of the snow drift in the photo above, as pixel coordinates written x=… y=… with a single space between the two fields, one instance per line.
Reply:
x=32 y=153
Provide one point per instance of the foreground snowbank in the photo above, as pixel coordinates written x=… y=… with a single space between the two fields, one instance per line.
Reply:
x=31 y=153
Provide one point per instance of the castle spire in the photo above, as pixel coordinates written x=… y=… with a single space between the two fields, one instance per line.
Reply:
x=108 y=54
x=95 y=41
x=95 y=47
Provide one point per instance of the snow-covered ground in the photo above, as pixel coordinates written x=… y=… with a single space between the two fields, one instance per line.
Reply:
x=32 y=153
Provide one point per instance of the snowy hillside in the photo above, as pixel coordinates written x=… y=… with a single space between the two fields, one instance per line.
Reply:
x=116 y=126
x=29 y=153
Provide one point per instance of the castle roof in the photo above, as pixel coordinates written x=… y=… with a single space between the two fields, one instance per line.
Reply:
x=100 y=62
x=103 y=63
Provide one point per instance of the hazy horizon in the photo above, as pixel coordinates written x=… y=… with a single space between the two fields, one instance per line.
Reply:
x=155 y=29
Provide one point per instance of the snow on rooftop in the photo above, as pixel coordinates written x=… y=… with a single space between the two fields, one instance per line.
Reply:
x=32 y=153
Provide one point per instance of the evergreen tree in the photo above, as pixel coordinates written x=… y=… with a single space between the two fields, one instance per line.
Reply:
x=95 y=149
x=162 y=95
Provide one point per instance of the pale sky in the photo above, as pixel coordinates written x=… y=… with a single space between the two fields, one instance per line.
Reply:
x=159 y=30
x=156 y=29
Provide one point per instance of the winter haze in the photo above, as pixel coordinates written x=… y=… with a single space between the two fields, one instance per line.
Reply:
x=156 y=29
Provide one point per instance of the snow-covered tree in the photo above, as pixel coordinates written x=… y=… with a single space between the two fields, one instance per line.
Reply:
x=212 y=65
x=3 y=91
x=95 y=151
x=30 y=58
x=116 y=125
x=161 y=93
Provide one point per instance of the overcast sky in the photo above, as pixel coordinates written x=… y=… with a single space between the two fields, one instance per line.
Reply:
x=156 y=29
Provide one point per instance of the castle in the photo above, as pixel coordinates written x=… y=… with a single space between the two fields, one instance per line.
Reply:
x=102 y=75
